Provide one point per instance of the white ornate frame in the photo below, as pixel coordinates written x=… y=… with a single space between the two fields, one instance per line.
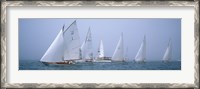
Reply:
x=5 y=4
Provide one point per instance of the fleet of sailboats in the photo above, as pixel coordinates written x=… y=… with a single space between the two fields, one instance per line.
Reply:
x=67 y=49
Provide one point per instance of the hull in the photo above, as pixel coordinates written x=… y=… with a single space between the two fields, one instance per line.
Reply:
x=102 y=60
x=84 y=60
x=117 y=61
x=79 y=61
x=64 y=62
x=89 y=60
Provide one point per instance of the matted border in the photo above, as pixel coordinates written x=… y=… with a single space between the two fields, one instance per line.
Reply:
x=6 y=4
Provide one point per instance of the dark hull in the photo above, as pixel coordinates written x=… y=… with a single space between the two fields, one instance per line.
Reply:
x=90 y=60
x=65 y=62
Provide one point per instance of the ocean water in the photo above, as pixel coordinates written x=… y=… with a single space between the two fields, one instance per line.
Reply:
x=149 y=65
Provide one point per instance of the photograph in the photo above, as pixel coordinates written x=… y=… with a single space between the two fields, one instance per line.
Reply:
x=99 y=43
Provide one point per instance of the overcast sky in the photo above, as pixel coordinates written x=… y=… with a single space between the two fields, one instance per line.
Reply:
x=36 y=35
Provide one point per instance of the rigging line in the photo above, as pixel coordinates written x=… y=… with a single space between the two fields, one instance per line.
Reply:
x=69 y=26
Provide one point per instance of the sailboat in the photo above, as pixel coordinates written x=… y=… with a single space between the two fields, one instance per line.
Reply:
x=86 y=48
x=100 y=51
x=100 y=54
x=141 y=54
x=119 y=51
x=168 y=53
x=65 y=48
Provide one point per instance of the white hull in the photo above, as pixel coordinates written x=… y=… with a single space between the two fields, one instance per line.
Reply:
x=80 y=61
x=102 y=61
x=84 y=60
x=139 y=61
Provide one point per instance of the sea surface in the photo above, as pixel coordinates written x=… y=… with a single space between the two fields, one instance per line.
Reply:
x=149 y=65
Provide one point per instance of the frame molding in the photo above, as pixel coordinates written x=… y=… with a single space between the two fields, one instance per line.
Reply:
x=5 y=4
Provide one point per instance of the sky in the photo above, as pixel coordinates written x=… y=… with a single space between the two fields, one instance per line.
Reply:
x=37 y=34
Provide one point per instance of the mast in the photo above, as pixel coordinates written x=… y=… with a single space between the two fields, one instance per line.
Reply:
x=141 y=54
x=168 y=53
x=119 y=51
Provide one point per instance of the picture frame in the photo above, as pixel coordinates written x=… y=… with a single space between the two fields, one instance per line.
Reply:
x=4 y=39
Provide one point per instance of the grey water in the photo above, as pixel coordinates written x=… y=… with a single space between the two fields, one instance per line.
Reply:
x=149 y=65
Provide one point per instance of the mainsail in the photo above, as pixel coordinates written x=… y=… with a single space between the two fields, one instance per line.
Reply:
x=168 y=53
x=55 y=51
x=71 y=42
x=66 y=46
x=86 y=48
x=101 y=50
x=141 y=54
x=119 y=51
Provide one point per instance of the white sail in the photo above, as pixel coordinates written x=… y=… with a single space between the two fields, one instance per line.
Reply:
x=86 y=47
x=168 y=53
x=141 y=54
x=71 y=42
x=119 y=51
x=101 y=50
x=55 y=51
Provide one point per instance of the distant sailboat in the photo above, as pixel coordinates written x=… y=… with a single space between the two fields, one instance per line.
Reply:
x=100 y=54
x=141 y=54
x=168 y=53
x=65 y=48
x=86 y=48
x=101 y=51
x=119 y=51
